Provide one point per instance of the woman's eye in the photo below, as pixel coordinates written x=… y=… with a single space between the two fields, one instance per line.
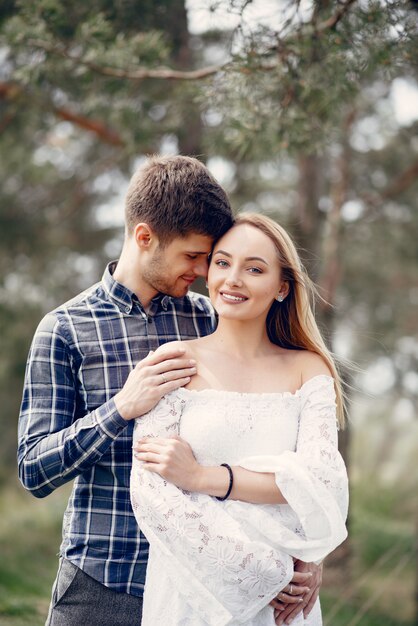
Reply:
x=255 y=270
x=221 y=263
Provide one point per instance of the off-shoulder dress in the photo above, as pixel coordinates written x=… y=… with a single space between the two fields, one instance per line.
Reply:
x=217 y=563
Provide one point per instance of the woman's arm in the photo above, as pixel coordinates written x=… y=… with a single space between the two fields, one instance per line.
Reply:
x=312 y=479
x=173 y=459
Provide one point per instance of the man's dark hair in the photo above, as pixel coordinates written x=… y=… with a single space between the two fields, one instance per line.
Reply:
x=177 y=196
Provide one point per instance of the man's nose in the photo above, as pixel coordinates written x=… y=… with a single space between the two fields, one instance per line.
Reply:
x=201 y=267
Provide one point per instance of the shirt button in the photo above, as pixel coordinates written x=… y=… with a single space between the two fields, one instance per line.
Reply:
x=127 y=309
x=149 y=319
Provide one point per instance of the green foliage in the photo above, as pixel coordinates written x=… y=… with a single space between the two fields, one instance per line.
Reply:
x=30 y=535
x=296 y=107
x=375 y=538
x=29 y=540
x=291 y=92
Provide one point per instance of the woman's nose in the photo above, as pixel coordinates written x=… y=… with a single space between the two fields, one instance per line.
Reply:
x=233 y=281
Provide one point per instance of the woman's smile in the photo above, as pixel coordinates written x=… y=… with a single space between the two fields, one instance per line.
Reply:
x=233 y=297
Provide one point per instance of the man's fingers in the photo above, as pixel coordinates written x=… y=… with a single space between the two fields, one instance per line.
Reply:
x=174 y=384
x=277 y=606
x=165 y=364
x=296 y=590
x=165 y=355
x=301 y=578
x=289 y=613
x=311 y=602
x=170 y=365
x=167 y=376
x=286 y=598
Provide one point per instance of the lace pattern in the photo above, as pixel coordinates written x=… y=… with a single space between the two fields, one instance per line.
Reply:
x=222 y=562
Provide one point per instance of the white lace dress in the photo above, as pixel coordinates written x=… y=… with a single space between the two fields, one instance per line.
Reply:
x=216 y=563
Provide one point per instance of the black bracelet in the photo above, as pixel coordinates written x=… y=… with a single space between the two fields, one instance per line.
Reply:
x=231 y=482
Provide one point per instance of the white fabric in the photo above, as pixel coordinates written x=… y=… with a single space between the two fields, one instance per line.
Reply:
x=216 y=563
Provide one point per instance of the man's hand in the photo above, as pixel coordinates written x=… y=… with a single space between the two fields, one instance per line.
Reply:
x=292 y=595
x=285 y=611
x=159 y=373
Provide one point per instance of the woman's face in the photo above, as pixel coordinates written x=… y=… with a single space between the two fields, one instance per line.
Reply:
x=244 y=274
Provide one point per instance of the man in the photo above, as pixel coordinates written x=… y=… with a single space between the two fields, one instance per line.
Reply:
x=91 y=370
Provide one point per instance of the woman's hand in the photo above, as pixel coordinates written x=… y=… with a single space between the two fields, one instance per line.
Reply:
x=171 y=458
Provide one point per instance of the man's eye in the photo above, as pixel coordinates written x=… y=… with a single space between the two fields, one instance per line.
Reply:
x=192 y=257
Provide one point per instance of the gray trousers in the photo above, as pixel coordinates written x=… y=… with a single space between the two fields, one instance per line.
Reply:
x=79 y=600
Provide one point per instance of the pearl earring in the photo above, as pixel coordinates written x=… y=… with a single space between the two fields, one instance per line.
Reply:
x=279 y=298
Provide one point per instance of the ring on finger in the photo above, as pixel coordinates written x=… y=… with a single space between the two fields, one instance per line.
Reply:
x=164 y=378
x=291 y=590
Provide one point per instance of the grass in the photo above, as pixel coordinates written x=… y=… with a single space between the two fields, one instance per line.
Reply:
x=375 y=587
x=30 y=532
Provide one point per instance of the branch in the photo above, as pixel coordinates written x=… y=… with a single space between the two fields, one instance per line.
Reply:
x=163 y=73
x=11 y=91
x=96 y=127
x=334 y=19
x=332 y=265
x=404 y=180
x=7 y=119
x=400 y=183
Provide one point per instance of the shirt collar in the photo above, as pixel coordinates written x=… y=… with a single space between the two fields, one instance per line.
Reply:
x=123 y=297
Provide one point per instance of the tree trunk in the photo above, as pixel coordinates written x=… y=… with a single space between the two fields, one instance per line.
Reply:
x=416 y=570
x=321 y=233
x=189 y=133
x=309 y=219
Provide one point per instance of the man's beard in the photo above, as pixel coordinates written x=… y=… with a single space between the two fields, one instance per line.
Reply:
x=156 y=275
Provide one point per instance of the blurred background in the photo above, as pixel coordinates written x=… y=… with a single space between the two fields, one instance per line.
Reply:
x=306 y=111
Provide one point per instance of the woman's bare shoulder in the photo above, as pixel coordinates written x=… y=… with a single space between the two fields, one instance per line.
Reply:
x=188 y=346
x=311 y=364
x=304 y=363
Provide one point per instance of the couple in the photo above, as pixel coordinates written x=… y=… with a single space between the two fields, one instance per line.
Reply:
x=236 y=478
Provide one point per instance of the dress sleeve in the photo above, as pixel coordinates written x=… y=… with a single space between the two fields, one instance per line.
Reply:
x=313 y=479
x=224 y=573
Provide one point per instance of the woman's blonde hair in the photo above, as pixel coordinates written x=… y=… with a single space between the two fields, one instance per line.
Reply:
x=291 y=324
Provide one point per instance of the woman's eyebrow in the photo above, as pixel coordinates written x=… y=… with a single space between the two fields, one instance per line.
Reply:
x=248 y=258
x=223 y=252
x=256 y=258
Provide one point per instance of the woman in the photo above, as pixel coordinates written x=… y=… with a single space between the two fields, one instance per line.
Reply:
x=238 y=473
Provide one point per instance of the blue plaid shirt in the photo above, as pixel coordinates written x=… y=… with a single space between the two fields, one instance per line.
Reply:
x=69 y=426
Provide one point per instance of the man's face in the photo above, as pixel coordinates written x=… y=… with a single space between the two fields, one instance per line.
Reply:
x=174 y=267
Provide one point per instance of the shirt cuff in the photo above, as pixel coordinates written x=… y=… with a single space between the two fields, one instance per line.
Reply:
x=108 y=418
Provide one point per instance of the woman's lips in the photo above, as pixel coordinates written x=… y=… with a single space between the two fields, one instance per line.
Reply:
x=233 y=297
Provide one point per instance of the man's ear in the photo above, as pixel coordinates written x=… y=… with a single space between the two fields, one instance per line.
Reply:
x=144 y=236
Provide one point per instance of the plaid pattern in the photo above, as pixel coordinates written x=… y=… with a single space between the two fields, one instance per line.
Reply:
x=69 y=427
